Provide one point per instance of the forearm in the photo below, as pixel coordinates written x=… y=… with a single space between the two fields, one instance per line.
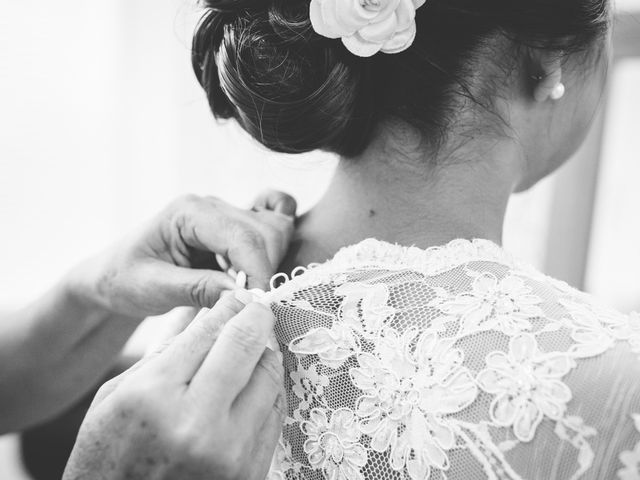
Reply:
x=53 y=352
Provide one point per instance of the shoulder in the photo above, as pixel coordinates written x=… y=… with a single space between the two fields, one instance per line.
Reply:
x=464 y=347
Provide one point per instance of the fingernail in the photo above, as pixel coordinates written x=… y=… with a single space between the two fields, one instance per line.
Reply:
x=222 y=262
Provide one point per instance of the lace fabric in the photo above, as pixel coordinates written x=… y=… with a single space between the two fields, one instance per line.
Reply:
x=455 y=362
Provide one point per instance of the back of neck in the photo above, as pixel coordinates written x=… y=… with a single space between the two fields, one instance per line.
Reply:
x=405 y=202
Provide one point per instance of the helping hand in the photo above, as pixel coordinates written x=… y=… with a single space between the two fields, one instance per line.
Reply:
x=171 y=262
x=209 y=405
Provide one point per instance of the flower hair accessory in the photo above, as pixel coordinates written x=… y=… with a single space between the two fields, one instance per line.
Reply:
x=367 y=26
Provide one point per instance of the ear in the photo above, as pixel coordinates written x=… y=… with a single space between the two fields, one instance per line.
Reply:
x=545 y=72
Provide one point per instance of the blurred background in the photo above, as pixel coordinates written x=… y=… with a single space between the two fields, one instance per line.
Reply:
x=102 y=123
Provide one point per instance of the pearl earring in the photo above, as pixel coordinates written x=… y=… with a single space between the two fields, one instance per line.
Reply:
x=558 y=92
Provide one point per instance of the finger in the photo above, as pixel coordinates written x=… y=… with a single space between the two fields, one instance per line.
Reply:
x=167 y=286
x=250 y=256
x=209 y=224
x=276 y=201
x=256 y=401
x=108 y=387
x=183 y=357
x=229 y=365
x=253 y=242
x=265 y=444
x=277 y=230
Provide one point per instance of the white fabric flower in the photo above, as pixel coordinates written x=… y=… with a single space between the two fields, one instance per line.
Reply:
x=407 y=388
x=367 y=26
x=383 y=380
x=333 y=346
x=333 y=445
x=364 y=306
x=307 y=386
x=527 y=386
x=594 y=330
x=506 y=305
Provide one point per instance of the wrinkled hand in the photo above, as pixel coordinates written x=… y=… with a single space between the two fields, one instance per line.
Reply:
x=208 y=406
x=171 y=261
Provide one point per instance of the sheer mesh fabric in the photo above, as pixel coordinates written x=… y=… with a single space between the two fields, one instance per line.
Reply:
x=455 y=362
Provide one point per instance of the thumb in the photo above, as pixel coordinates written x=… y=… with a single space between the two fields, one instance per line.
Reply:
x=276 y=201
x=198 y=288
x=165 y=286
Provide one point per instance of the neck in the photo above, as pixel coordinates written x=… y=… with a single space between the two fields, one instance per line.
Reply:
x=404 y=200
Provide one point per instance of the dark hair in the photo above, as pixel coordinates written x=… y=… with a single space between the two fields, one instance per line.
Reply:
x=261 y=62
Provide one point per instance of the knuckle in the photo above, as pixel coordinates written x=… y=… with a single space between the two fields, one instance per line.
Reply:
x=109 y=385
x=201 y=293
x=247 y=337
x=181 y=213
x=209 y=328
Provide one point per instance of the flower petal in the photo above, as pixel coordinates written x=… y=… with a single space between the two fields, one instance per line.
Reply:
x=527 y=420
x=418 y=468
x=380 y=32
x=442 y=434
x=400 y=41
x=493 y=381
x=456 y=394
x=360 y=47
x=498 y=361
x=357 y=455
x=366 y=406
x=313 y=342
x=326 y=28
x=503 y=410
x=406 y=14
x=555 y=366
x=351 y=15
x=436 y=456
x=370 y=425
x=381 y=439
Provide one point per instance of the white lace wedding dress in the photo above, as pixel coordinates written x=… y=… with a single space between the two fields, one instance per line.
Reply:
x=455 y=362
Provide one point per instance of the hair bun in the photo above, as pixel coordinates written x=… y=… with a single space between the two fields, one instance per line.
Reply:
x=290 y=88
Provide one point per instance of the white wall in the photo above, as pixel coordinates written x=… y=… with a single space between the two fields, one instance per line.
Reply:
x=614 y=257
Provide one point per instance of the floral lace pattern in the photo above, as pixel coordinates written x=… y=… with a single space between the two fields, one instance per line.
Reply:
x=631 y=458
x=446 y=363
x=527 y=385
